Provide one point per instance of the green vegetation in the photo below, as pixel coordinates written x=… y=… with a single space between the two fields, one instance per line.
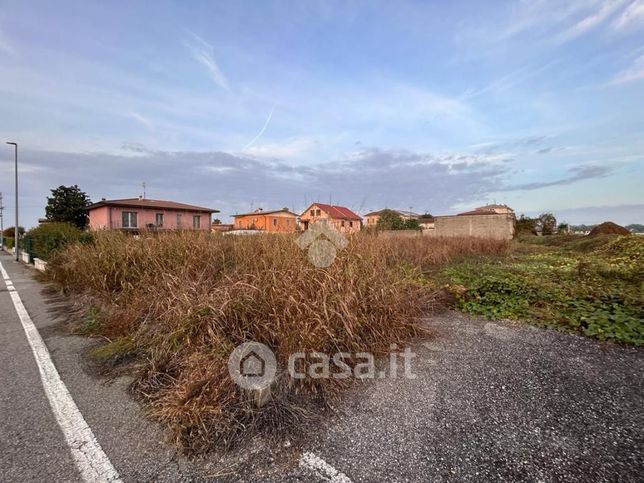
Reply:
x=391 y=220
x=590 y=285
x=68 y=204
x=45 y=239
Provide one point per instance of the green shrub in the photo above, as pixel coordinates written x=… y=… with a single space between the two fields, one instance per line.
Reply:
x=587 y=285
x=45 y=239
x=8 y=242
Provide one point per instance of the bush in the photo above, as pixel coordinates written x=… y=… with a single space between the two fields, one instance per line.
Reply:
x=45 y=239
x=591 y=285
x=8 y=242
x=181 y=302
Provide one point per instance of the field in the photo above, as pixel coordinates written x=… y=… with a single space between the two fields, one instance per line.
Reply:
x=174 y=306
x=587 y=285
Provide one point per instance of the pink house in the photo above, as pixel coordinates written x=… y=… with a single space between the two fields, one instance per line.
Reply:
x=134 y=214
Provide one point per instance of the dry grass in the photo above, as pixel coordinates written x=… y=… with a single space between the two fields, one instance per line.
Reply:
x=181 y=302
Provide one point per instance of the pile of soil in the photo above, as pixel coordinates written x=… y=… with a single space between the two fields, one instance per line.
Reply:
x=609 y=228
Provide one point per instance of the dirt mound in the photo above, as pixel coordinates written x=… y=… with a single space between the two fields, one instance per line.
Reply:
x=609 y=228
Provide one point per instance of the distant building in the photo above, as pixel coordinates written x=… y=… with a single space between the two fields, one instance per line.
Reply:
x=371 y=219
x=426 y=222
x=489 y=210
x=272 y=221
x=339 y=217
x=221 y=227
x=135 y=214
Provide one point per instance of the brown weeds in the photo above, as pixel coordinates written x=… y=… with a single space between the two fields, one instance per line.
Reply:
x=183 y=301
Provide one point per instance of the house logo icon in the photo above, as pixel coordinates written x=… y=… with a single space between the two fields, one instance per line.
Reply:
x=322 y=242
x=252 y=365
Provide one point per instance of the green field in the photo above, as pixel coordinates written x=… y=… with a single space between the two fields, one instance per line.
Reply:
x=588 y=285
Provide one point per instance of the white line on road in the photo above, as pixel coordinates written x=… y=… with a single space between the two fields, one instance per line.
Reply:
x=323 y=469
x=90 y=459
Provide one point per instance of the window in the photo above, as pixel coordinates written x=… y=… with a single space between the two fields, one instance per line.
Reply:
x=288 y=222
x=342 y=223
x=239 y=222
x=274 y=221
x=179 y=216
x=351 y=224
x=317 y=212
x=312 y=212
x=196 y=222
x=159 y=219
x=128 y=219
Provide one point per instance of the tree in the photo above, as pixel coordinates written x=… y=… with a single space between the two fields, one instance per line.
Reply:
x=563 y=228
x=547 y=223
x=525 y=224
x=411 y=224
x=11 y=231
x=390 y=220
x=68 y=204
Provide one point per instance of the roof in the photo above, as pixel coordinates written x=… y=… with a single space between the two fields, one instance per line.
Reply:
x=263 y=212
x=479 y=211
x=336 y=211
x=148 y=203
x=400 y=212
x=492 y=207
x=487 y=210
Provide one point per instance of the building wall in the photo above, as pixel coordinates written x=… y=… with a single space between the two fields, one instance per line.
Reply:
x=497 y=226
x=110 y=217
x=271 y=222
x=343 y=226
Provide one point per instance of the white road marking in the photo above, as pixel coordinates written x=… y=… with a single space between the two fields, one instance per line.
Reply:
x=323 y=469
x=90 y=459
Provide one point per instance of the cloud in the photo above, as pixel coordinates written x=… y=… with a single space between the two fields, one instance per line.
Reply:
x=261 y=131
x=202 y=52
x=577 y=173
x=631 y=16
x=5 y=46
x=141 y=119
x=366 y=179
x=604 y=11
x=634 y=72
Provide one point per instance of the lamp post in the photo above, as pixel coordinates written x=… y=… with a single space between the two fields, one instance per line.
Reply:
x=15 y=146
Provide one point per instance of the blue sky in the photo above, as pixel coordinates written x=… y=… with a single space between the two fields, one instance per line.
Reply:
x=438 y=106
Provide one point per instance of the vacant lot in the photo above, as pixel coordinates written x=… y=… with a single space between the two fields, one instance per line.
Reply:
x=174 y=306
x=590 y=285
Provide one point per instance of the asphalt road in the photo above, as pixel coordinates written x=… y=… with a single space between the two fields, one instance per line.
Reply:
x=490 y=402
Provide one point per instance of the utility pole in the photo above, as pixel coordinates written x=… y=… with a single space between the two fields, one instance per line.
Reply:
x=15 y=146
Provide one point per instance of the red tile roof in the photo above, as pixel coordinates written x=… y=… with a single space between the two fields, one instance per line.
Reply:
x=153 y=204
x=338 y=212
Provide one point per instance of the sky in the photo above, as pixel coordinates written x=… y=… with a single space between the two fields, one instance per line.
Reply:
x=433 y=107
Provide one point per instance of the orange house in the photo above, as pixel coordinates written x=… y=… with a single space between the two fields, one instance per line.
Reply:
x=275 y=221
x=342 y=219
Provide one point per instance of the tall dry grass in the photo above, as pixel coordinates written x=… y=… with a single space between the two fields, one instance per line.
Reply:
x=181 y=302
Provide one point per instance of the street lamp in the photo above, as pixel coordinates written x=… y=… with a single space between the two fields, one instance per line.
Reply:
x=15 y=146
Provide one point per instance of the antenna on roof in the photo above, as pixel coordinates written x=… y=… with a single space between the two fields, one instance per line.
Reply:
x=143 y=184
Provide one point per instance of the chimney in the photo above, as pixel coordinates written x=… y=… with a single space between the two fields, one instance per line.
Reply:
x=140 y=197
